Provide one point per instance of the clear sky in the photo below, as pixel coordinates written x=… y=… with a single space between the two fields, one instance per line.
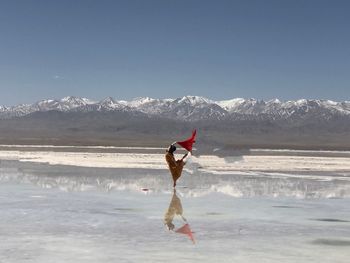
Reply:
x=171 y=48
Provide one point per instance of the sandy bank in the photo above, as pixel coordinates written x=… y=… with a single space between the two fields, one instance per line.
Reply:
x=209 y=163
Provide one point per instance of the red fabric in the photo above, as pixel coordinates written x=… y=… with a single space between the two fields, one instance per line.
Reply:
x=187 y=144
x=185 y=229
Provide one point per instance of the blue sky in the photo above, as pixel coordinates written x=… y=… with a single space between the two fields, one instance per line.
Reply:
x=158 y=48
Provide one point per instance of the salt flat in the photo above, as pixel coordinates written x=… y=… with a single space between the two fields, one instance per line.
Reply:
x=209 y=163
x=111 y=207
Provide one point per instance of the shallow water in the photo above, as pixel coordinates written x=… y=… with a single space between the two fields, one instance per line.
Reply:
x=71 y=214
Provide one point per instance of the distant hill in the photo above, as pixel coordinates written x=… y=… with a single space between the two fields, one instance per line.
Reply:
x=237 y=123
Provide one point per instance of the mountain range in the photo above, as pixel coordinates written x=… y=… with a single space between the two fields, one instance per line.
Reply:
x=191 y=108
x=237 y=123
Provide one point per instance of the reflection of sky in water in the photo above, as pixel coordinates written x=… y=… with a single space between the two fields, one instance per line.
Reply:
x=103 y=216
x=196 y=183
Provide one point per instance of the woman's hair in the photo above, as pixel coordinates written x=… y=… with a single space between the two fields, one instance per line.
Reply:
x=172 y=148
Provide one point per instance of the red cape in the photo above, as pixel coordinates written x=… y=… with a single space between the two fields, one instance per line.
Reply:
x=185 y=229
x=187 y=144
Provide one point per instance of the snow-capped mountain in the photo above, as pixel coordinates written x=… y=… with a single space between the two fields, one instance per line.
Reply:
x=66 y=104
x=110 y=104
x=186 y=108
x=191 y=108
x=276 y=109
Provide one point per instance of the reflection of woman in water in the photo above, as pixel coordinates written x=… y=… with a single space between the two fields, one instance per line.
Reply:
x=175 y=208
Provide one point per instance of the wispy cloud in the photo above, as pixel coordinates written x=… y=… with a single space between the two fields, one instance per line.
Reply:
x=57 y=77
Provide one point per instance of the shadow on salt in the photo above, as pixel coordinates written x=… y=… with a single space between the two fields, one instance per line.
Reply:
x=331 y=242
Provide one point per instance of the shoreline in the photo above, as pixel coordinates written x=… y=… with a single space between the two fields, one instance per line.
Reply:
x=255 y=161
x=140 y=149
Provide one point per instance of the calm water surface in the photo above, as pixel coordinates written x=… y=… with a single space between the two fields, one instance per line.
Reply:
x=67 y=214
